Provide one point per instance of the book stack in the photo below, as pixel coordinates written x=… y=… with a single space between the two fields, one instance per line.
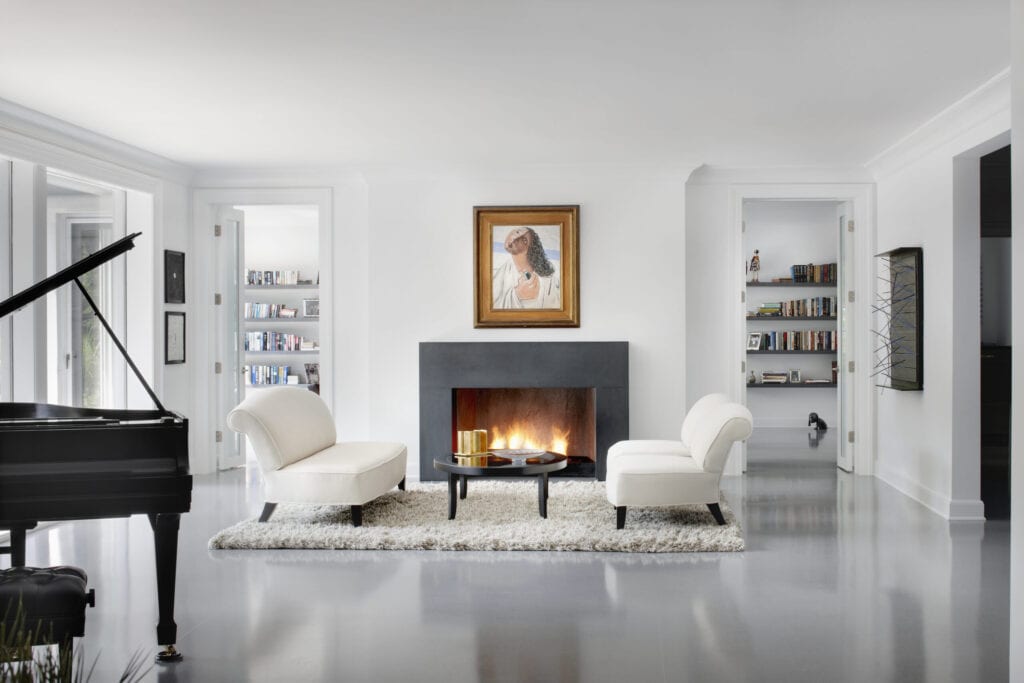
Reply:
x=268 y=278
x=774 y=377
x=273 y=341
x=821 y=273
x=799 y=340
x=813 y=307
x=266 y=374
x=255 y=310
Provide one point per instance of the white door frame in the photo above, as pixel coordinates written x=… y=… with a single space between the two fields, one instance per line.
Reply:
x=6 y=282
x=202 y=278
x=862 y=199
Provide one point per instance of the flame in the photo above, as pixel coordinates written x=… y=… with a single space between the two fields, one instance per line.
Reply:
x=519 y=435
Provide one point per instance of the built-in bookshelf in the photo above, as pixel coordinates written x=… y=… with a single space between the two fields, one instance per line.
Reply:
x=280 y=329
x=773 y=339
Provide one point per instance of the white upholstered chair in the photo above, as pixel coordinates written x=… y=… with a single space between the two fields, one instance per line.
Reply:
x=685 y=472
x=302 y=461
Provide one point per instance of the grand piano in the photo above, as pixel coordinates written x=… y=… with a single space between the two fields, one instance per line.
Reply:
x=64 y=463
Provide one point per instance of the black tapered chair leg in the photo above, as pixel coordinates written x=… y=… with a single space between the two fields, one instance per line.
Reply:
x=357 y=515
x=716 y=512
x=401 y=484
x=620 y=517
x=268 y=509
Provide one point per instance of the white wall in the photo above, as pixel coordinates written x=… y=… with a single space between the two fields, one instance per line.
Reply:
x=922 y=435
x=404 y=267
x=282 y=238
x=787 y=233
x=1017 y=438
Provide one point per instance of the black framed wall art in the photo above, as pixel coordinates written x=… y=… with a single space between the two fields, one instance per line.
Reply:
x=174 y=277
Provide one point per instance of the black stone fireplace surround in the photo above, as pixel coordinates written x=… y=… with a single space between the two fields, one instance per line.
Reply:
x=446 y=366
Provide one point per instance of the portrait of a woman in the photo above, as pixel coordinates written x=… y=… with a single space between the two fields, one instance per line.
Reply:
x=525 y=276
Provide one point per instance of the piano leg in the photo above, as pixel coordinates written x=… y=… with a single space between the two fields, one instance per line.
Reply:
x=165 y=540
x=17 y=547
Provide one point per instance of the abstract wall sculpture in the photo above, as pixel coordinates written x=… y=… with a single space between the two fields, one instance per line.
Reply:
x=899 y=314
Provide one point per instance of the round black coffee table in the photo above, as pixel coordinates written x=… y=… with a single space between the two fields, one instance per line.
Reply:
x=502 y=463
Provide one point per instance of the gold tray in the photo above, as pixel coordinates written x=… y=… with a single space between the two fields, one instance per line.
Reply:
x=480 y=460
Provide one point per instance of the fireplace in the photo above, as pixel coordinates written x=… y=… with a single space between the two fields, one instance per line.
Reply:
x=556 y=419
x=565 y=397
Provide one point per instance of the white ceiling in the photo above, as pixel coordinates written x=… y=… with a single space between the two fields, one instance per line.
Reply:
x=213 y=83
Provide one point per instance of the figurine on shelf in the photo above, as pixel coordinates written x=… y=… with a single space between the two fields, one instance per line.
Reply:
x=753 y=378
x=755 y=266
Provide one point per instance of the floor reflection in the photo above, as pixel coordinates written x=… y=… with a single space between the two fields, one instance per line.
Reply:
x=843 y=579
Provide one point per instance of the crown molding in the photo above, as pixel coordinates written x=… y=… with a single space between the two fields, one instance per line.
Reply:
x=982 y=105
x=37 y=137
x=786 y=175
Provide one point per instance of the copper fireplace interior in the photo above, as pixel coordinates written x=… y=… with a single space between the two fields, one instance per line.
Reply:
x=559 y=419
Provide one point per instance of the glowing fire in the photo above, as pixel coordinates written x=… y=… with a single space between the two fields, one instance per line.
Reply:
x=518 y=435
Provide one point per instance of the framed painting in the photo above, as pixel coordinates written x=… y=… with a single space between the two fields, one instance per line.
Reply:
x=174 y=277
x=527 y=266
x=174 y=338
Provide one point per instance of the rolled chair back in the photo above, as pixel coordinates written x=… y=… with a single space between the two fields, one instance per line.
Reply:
x=284 y=424
x=698 y=413
x=712 y=439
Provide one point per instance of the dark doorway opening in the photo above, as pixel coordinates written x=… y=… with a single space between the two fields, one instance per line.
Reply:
x=995 y=333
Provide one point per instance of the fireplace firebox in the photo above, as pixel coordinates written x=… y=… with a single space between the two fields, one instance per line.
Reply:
x=555 y=419
x=566 y=397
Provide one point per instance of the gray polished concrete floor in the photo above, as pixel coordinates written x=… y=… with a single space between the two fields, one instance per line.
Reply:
x=843 y=579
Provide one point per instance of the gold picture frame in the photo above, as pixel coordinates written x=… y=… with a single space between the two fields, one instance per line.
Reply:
x=527 y=266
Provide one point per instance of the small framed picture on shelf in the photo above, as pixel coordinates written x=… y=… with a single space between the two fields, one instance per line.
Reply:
x=311 y=308
x=794 y=377
x=753 y=341
x=312 y=373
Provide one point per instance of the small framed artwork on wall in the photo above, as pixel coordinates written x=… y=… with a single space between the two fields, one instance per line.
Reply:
x=174 y=338
x=174 y=277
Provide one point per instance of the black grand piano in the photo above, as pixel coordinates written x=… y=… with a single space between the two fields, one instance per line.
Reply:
x=63 y=463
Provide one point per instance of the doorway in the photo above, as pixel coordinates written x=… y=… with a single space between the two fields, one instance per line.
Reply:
x=996 y=319
x=267 y=329
x=794 y=330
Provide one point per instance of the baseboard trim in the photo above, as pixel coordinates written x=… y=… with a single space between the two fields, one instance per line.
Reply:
x=931 y=499
x=966 y=510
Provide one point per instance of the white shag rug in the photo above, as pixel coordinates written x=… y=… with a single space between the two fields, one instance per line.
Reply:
x=496 y=515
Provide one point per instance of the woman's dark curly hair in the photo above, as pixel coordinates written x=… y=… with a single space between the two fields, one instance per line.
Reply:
x=535 y=250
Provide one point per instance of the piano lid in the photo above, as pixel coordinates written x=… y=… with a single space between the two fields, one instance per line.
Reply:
x=71 y=274
x=61 y=277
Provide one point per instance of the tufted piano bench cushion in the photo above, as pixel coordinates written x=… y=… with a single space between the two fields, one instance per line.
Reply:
x=52 y=599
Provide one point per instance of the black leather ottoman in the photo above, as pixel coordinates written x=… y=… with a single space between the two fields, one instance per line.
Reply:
x=52 y=605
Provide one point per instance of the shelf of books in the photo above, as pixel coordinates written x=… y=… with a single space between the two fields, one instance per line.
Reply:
x=810 y=384
x=275 y=298
x=808 y=341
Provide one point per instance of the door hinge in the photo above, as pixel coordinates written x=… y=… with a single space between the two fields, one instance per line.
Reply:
x=217 y=299
x=218 y=368
x=850 y=296
x=743 y=366
x=849 y=436
x=851 y=366
x=849 y=226
x=743 y=226
x=217 y=231
x=743 y=297
x=218 y=436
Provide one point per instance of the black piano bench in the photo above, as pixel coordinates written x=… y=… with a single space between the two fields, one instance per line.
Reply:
x=46 y=606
